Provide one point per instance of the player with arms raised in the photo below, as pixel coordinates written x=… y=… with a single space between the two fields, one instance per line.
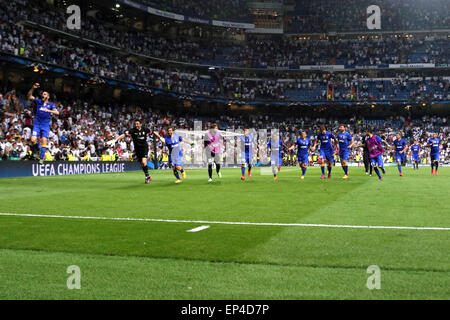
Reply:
x=139 y=135
x=42 y=119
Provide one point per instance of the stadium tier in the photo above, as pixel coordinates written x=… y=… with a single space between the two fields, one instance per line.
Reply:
x=349 y=15
x=231 y=10
x=289 y=52
x=25 y=34
x=365 y=69
x=81 y=130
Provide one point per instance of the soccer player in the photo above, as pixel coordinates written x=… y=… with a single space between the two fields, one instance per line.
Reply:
x=433 y=143
x=374 y=145
x=275 y=154
x=326 y=150
x=400 y=151
x=345 y=144
x=139 y=135
x=414 y=150
x=366 y=159
x=247 y=141
x=304 y=145
x=212 y=149
x=172 y=141
x=42 y=119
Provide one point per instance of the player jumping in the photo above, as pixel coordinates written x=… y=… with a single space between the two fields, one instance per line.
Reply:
x=139 y=135
x=42 y=119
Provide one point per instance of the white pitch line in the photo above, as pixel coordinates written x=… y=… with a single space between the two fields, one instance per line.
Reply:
x=198 y=229
x=227 y=222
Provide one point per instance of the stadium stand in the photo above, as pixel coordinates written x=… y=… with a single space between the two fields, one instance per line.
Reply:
x=322 y=16
x=81 y=56
x=81 y=130
x=258 y=68
x=253 y=53
x=231 y=10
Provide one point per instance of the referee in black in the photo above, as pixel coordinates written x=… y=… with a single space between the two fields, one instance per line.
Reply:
x=139 y=135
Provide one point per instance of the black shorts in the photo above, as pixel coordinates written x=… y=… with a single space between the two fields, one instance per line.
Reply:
x=212 y=156
x=141 y=153
x=366 y=157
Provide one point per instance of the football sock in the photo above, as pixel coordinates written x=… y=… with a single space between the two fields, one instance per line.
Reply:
x=303 y=171
x=145 y=169
x=43 y=150
x=210 y=170
x=377 y=172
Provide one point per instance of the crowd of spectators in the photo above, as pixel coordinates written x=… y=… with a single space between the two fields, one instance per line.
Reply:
x=33 y=44
x=230 y=10
x=368 y=51
x=351 y=15
x=340 y=87
x=82 y=129
x=322 y=15
x=27 y=42
x=286 y=52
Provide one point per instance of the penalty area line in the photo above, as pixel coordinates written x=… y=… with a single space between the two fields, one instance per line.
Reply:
x=225 y=222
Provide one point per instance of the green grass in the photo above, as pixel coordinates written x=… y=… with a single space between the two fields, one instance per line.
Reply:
x=160 y=260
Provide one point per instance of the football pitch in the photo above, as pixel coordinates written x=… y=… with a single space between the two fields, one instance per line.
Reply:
x=262 y=239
